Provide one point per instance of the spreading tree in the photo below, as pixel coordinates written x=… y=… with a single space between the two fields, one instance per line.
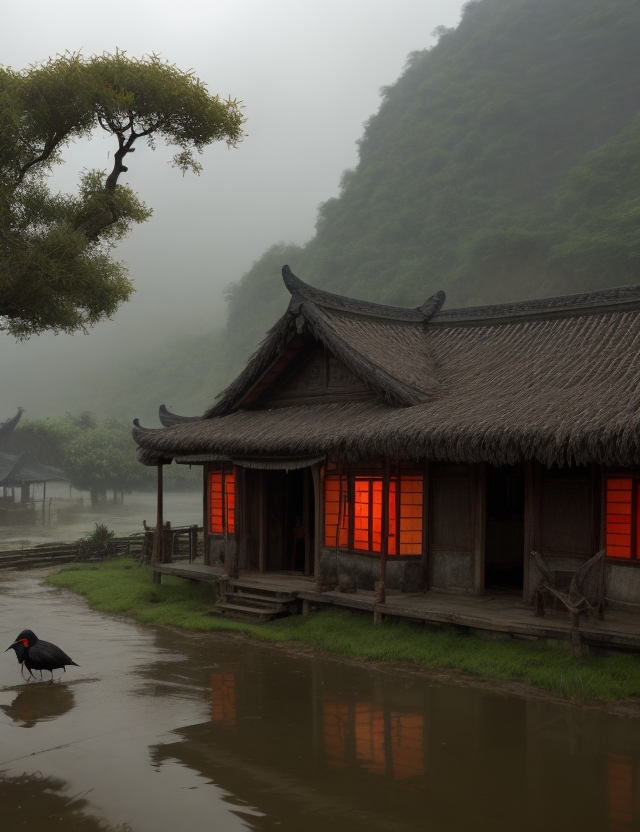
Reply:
x=57 y=271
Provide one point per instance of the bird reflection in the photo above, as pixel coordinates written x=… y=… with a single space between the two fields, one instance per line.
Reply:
x=39 y=703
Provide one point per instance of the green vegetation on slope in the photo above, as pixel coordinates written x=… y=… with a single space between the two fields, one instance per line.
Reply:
x=121 y=587
x=503 y=164
x=492 y=160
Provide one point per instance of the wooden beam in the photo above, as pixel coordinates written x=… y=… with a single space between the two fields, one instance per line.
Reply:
x=156 y=555
x=381 y=587
x=206 y=514
x=603 y=510
x=532 y=477
x=306 y=494
x=240 y=534
x=479 y=496
x=425 y=526
x=262 y=521
x=317 y=473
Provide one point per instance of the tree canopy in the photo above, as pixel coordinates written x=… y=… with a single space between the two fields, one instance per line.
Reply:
x=56 y=266
x=96 y=454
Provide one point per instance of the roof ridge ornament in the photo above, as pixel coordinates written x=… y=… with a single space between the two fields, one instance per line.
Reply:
x=432 y=305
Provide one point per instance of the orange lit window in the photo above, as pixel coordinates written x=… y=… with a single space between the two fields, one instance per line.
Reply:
x=620 y=517
x=222 y=501
x=410 y=515
x=367 y=514
x=336 y=518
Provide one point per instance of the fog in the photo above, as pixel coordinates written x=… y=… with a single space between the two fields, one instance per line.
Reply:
x=308 y=74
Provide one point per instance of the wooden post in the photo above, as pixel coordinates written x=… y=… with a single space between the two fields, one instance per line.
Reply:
x=193 y=543
x=531 y=522
x=381 y=586
x=317 y=473
x=156 y=556
x=262 y=521
x=602 y=508
x=206 y=515
x=479 y=492
x=232 y=565
x=44 y=500
x=425 y=527
x=305 y=522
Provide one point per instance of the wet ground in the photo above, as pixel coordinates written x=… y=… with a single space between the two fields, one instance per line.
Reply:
x=76 y=517
x=169 y=732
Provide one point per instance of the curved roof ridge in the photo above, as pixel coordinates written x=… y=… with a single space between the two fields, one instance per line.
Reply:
x=601 y=300
x=167 y=418
x=9 y=424
x=302 y=292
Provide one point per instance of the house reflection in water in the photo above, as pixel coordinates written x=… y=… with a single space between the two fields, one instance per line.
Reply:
x=377 y=740
x=623 y=792
x=316 y=744
x=223 y=698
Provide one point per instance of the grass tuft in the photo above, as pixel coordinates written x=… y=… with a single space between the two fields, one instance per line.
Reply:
x=115 y=587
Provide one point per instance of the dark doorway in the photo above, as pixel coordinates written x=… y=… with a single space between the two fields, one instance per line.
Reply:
x=504 y=541
x=289 y=526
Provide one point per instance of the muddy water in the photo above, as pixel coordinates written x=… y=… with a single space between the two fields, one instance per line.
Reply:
x=167 y=732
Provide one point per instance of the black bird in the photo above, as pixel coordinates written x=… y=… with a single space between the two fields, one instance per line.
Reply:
x=40 y=655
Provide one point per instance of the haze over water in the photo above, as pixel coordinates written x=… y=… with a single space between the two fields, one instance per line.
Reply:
x=168 y=731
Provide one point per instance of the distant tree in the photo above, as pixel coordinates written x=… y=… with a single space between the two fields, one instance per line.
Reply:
x=96 y=454
x=56 y=270
x=102 y=457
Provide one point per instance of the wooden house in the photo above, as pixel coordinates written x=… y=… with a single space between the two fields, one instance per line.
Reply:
x=380 y=447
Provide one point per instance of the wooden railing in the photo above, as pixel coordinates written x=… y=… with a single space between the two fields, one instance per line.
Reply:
x=49 y=554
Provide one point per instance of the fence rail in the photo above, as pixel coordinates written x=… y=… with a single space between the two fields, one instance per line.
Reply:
x=48 y=554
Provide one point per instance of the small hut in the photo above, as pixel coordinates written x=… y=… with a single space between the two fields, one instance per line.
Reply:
x=18 y=475
x=425 y=448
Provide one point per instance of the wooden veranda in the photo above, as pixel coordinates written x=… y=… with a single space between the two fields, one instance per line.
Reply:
x=498 y=614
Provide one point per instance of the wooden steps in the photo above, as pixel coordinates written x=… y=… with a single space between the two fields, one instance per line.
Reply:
x=252 y=603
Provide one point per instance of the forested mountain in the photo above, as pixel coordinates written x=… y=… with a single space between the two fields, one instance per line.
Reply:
x=503 y=164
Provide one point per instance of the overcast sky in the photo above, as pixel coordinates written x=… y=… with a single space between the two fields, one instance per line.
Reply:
x=308 y=73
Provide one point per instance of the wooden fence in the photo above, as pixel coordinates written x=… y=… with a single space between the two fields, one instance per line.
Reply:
x=50 y=554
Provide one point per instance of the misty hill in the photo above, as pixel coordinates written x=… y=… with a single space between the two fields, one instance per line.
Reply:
x=503 y=164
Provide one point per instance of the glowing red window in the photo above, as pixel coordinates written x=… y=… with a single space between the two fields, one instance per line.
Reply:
x=409 y=504
x=336 y=516
x=222 y=502
x=621 y=511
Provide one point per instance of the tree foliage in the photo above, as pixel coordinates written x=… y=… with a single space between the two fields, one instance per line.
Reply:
x=56 y=268
x=503 y=164
x=96 y=454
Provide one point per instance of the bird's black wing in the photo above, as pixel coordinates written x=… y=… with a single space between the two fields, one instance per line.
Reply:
x=44 y=655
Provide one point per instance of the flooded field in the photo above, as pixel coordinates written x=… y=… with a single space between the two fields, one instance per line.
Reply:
x=72 y=517
x=166 y=731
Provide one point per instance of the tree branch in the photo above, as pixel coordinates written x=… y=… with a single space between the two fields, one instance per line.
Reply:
x=48 y=149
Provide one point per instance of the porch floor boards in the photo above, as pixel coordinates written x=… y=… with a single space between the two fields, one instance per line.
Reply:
x=497 y=612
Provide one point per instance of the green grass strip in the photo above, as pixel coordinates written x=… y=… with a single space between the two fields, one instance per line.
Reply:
x=119 y=586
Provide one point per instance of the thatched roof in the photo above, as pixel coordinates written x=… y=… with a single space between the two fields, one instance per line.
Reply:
x=22 y=469
x=168 y=419
x=556 y=380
